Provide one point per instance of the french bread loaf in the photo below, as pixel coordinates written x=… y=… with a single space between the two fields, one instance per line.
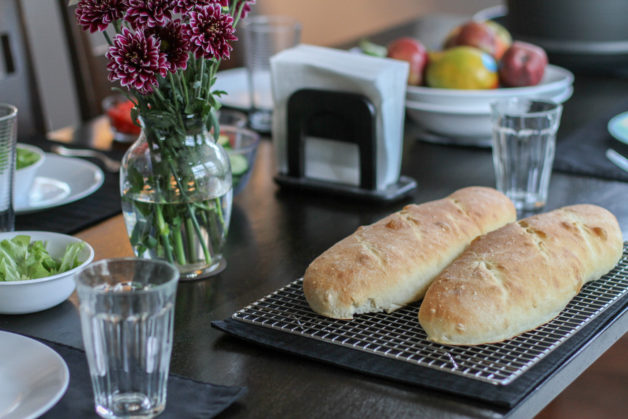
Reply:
x=520 y=276
x=390 y=263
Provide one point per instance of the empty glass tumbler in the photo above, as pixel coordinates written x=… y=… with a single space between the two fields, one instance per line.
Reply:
x=127 y=313
x=8 y=138
x=524 y=140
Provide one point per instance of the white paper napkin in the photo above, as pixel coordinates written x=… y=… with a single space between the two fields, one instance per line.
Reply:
x=382 y=80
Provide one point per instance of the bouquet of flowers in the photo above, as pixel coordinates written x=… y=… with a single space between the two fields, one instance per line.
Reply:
x=175 y=187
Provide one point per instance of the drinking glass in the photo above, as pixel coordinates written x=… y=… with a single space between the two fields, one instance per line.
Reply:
x=524 y=140
x=263 y=37
x=8 y=140
x=127 y=311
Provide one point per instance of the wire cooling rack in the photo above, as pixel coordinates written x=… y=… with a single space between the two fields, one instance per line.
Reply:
x=398 y=335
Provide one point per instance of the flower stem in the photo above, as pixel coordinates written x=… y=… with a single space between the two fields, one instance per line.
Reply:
x=189 y=234
x=163 y=233
x=178 y=247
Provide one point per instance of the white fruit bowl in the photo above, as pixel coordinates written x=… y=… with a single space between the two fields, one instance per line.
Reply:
x=468 y=125
x=555 y=81
x=32 y=295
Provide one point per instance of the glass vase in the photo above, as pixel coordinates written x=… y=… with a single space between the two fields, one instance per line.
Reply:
x=176 y=189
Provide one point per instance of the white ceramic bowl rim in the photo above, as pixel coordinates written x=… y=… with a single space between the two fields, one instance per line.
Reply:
x=559 y=97
x=445 y=109
x=564 y=77
x=88 y=260
x=35 y=149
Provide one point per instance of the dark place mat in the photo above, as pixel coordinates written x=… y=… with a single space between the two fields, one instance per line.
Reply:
x=583 y=151
x=501 y=397
x=186 y=398
x=75 y=216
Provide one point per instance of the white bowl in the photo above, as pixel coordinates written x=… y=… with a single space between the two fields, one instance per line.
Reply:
x=555 y=80
x=25 y=176
x=32 y=295
x=465 y=125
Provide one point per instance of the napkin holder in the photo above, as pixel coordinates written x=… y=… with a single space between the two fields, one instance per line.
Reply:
x=343 y=117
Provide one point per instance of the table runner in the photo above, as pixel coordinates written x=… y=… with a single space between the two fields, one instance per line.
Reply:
x=583 y=151
x=76 y=216
x=186 y=398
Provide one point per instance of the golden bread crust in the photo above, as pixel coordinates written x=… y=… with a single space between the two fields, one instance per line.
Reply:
x=390 y=263
x=520 y=276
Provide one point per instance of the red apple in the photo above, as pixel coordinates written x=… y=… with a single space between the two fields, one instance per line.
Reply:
x=523 y=64
x=414 y=52
x=474 y=34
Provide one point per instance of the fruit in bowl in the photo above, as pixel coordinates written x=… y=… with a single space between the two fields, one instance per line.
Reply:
x=27 y=161
x=489 y=36
x=414 y=53
x=462 y=68
x=37 y=269
x=523 y=64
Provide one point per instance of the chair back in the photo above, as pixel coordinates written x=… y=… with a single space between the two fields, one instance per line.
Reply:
x=17 y=82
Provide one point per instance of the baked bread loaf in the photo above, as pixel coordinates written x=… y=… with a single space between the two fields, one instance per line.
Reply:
x=520 y=276
x=390 y=263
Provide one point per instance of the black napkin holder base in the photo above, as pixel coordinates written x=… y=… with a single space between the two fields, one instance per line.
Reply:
x=343 y=117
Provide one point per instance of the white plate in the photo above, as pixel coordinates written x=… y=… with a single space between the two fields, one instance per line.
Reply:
x=235 y=83
x=33 y=377
x=59 y=181
x=618 y=127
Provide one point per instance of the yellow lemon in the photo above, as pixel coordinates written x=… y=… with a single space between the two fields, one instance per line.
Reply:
x=462 y=68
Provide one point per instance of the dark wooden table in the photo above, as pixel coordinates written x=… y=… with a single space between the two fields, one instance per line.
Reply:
x=275 y=234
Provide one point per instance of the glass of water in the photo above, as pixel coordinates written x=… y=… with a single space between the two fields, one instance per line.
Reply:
x=263 y=37
x=524 y=140
x=127 y=312
x=8 y=138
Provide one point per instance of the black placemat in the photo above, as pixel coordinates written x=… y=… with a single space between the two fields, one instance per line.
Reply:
x=76 y=216
x=583 y=151
x=186 y=398
x=499 y=396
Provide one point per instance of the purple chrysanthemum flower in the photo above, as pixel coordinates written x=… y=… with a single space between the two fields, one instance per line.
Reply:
x=136 y=61
x=246 y=8
x=149 y=13
x=96 y=15
x=173 y=42
x=211 y=32
x=185 y=6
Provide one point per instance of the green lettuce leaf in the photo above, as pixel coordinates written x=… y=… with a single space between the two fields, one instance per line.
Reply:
x=21 y=259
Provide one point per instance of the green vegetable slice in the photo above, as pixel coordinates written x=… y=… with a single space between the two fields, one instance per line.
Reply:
x=239 y=165
x=25 y=158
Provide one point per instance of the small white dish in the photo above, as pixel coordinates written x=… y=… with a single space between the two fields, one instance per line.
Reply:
x=466 y=125
x=32 y=295
x=33 y=377
x=25 y=176
x=618 y=127
x=59 y=181
x=234 y=81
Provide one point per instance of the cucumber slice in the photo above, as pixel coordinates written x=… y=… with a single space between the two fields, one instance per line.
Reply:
x=223 y=140
x=239 y=165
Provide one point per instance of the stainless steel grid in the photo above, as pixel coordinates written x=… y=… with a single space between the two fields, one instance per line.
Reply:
x=398 y=335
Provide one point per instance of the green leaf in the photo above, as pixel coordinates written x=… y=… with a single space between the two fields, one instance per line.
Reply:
x=21 y=259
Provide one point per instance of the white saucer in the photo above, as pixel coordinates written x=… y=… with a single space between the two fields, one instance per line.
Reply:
x=235 y=83
x=33 y=377
x=618 y=127
x=59 y=181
